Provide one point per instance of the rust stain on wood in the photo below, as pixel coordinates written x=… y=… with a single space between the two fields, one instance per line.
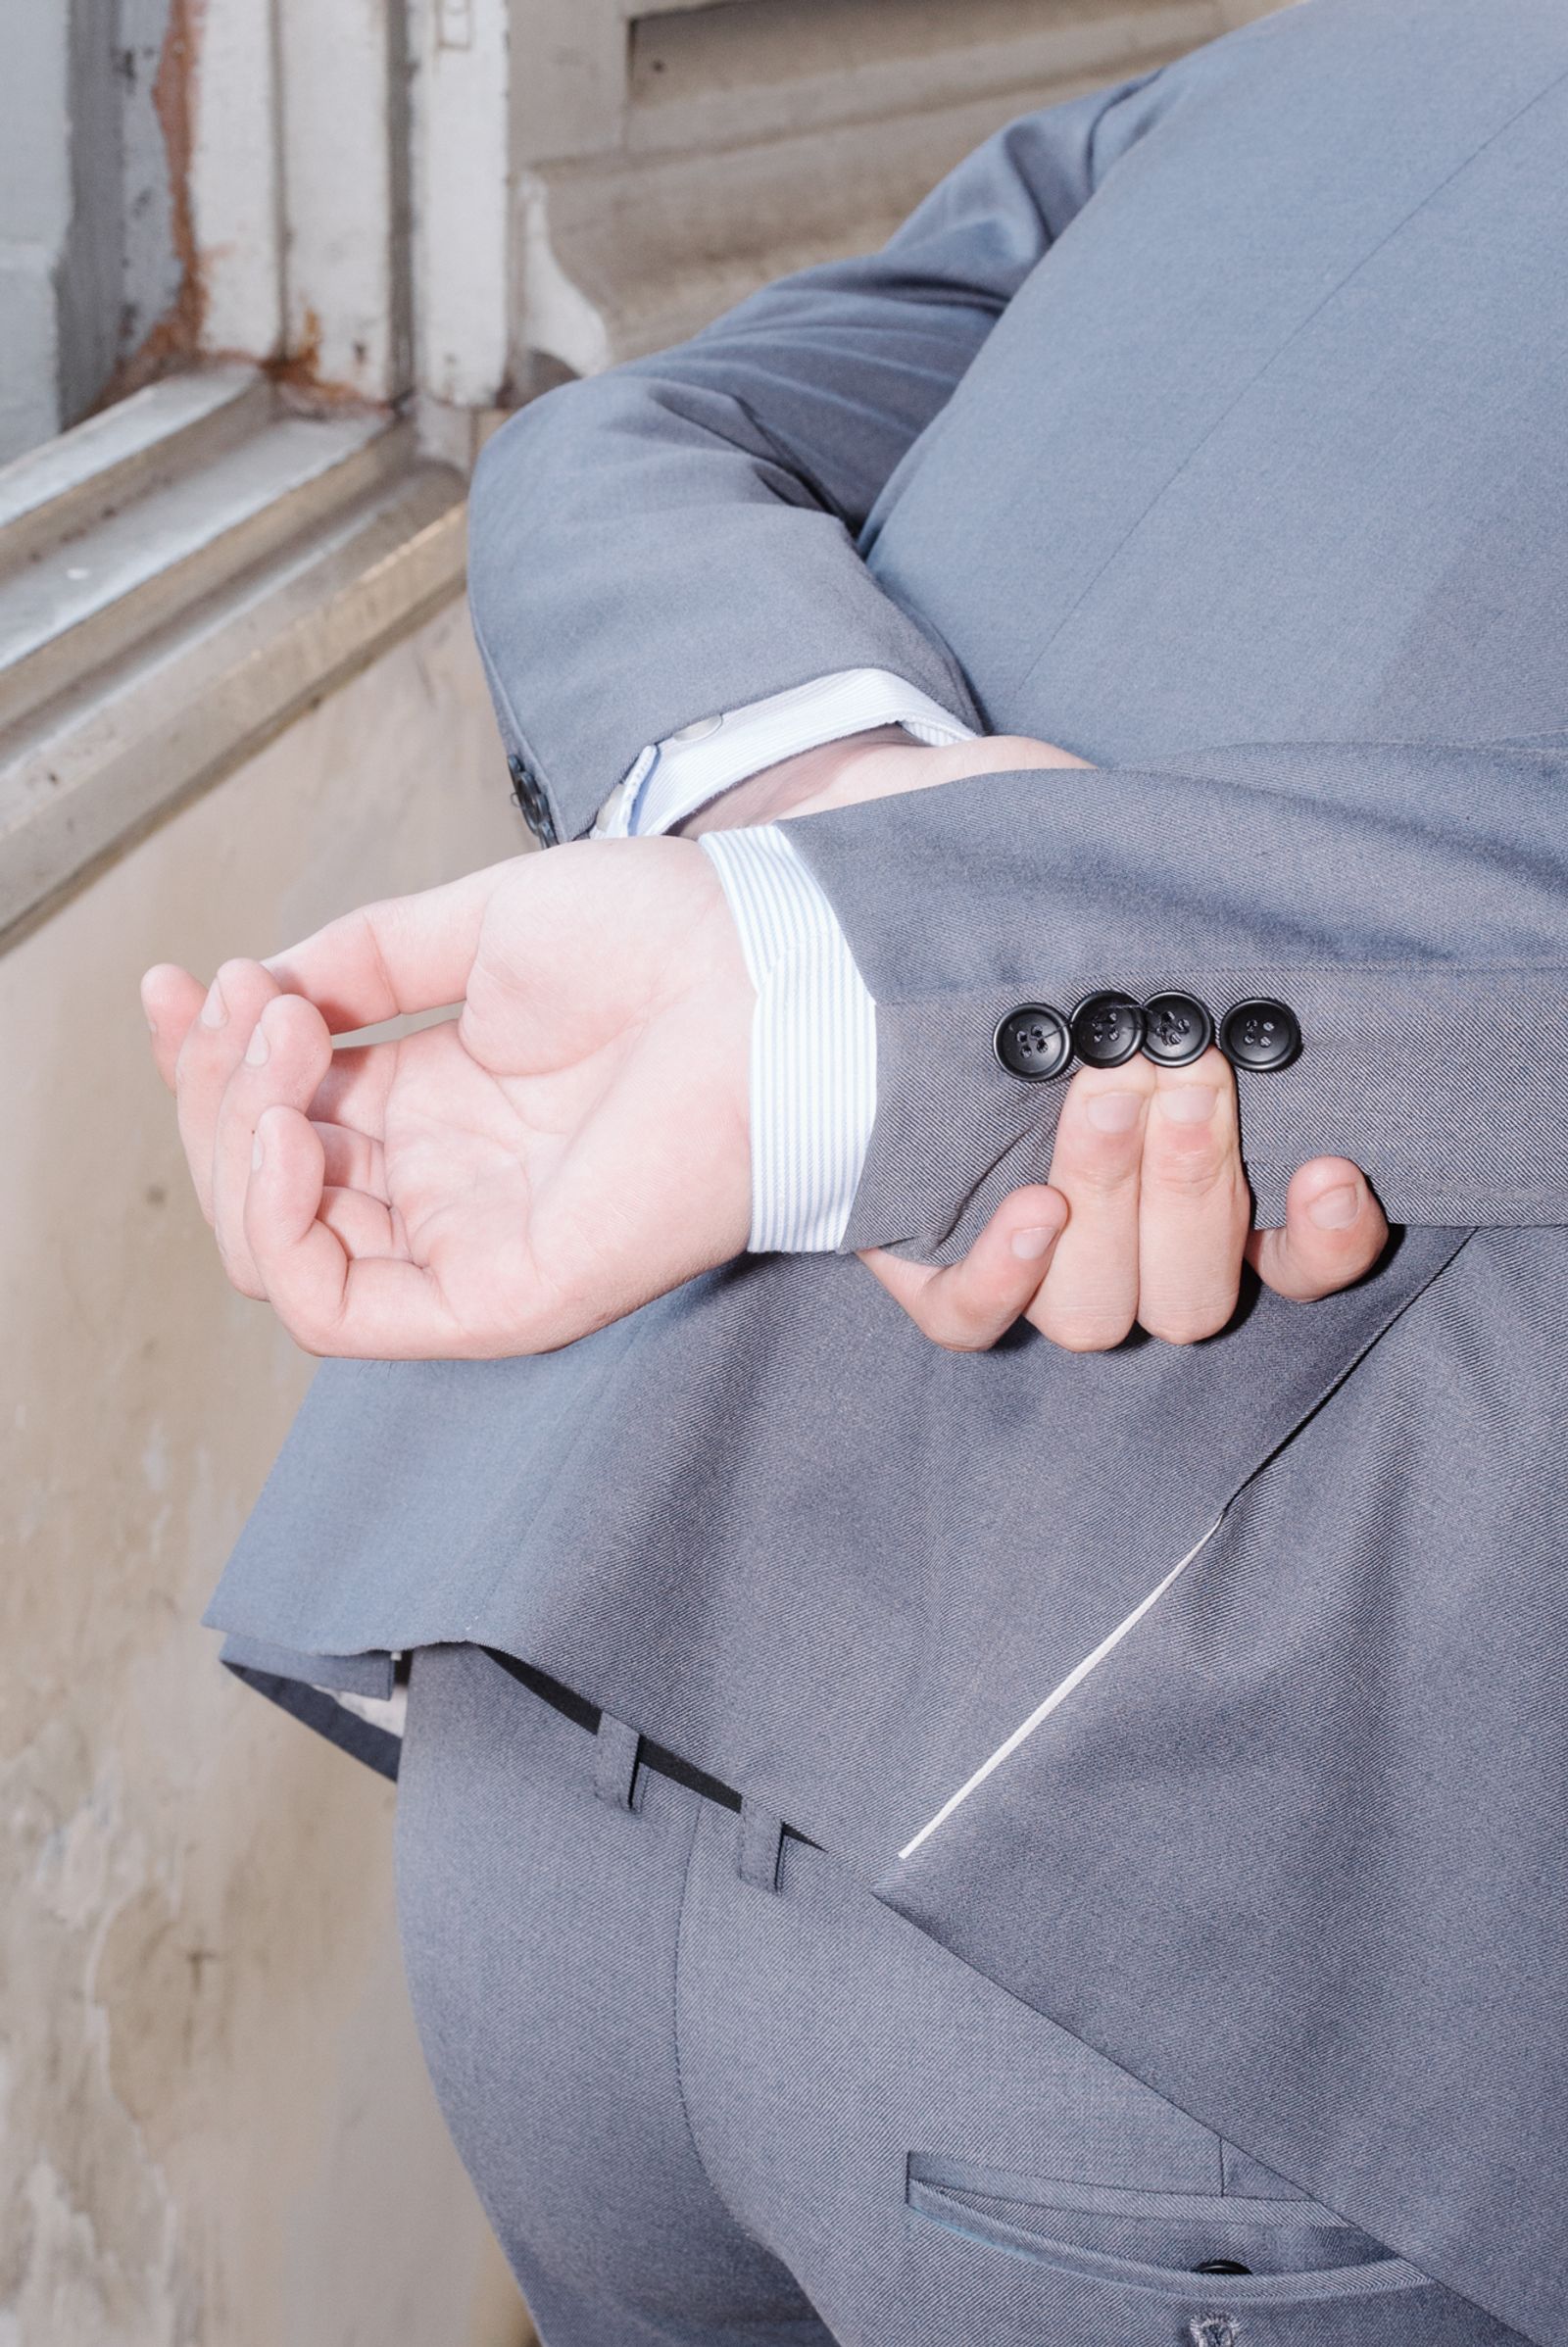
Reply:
x=174 y=340
x=299 y=377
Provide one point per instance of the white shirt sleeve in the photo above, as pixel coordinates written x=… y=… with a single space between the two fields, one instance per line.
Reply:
x=814 y=1044
x=671 y=779
x=813 y=1032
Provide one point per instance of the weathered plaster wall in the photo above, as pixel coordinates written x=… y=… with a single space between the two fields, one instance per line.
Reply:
x=89 y=262
x=41 y=239
x=214 y=2126
x=151 y=271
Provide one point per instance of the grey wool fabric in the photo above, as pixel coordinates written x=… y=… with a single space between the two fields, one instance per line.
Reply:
x=1213 y=427
x=708 y=2105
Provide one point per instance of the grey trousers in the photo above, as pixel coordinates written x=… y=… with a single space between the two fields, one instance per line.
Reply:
x=713 y=2095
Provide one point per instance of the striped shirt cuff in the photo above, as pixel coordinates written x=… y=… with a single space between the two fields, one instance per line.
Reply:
x=672 y=778
x=814 y=1045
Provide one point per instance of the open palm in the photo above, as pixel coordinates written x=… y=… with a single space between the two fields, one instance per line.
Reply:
x=571 y=1144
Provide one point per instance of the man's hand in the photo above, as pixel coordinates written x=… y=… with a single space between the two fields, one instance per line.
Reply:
x=1147 y=1222
x=577 y=1141
x=572 y=1144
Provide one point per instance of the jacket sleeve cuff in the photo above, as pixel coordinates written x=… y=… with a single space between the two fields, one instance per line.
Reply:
x=814 y=1045
x=671 y=779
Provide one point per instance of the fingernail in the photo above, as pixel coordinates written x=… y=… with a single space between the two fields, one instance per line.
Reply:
x=152 y=1024
x=215 y=1011
x=258 y=1152
x=1188 y=1103
x=1029 y=1245
x=1114 y=1111
x=256 y=1049
x=1336 y=1209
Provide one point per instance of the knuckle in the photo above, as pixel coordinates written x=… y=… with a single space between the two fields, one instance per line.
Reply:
x=1085 y=1330
x=965 y=1340
x=1094 y=1173
x=240 y=1273
x=1187 y=1322
x=1190 y=1174
x=1315 y=1280
x=307 y=1328
x=950 y=1328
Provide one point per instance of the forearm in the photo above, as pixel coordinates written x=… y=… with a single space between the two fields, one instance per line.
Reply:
x=681 y=536
x=880 y=764
x=1306 y=875
x=813 y=1078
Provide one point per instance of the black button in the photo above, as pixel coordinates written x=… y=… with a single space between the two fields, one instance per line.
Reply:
x=1264 y=1036
x=532 y=803
x=1222 y=2266
x=1033 y=1042
x=1179 y=1030
x=1106 y=1029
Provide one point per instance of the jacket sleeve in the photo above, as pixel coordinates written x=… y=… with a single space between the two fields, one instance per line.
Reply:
x=677 y=538
x=1408 y=902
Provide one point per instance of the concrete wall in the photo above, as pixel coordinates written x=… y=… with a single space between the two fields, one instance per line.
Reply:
x=214 y=2124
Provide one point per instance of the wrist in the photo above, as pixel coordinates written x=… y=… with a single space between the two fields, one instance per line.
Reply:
x=781 y=789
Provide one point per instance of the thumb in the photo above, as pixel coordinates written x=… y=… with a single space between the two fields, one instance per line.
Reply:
x=969 y=1304
x=1334 y=1233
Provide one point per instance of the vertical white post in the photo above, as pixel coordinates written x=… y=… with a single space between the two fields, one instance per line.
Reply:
x=343 y=113
x=235 y=193
x=460 y=104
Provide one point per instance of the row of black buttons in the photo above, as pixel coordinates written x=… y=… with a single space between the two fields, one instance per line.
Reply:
x=1035 y=1042
x=532 y=803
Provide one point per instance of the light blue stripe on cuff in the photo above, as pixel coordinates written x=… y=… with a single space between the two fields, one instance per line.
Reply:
x=814 y=1044
x=671 y=779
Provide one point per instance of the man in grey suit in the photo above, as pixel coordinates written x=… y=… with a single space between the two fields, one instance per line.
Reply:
x=1052 y=1834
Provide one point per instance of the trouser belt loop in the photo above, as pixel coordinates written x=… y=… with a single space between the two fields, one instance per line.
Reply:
x=616 y=1762
x=762 y=1840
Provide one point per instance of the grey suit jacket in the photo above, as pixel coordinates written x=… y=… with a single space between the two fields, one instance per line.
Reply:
x=1213 y=426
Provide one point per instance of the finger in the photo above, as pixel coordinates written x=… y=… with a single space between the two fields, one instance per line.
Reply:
x=364 y=1226
x=375 y=1310
x=1089 y=1301
x=283 y=1064
x=967 y=1305
x=214 y=1045
x=1195 y=1207
x=1334 y=1233
x=170 y=998
x=404 y=953
x=353 y=1090
x=353 y=1161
